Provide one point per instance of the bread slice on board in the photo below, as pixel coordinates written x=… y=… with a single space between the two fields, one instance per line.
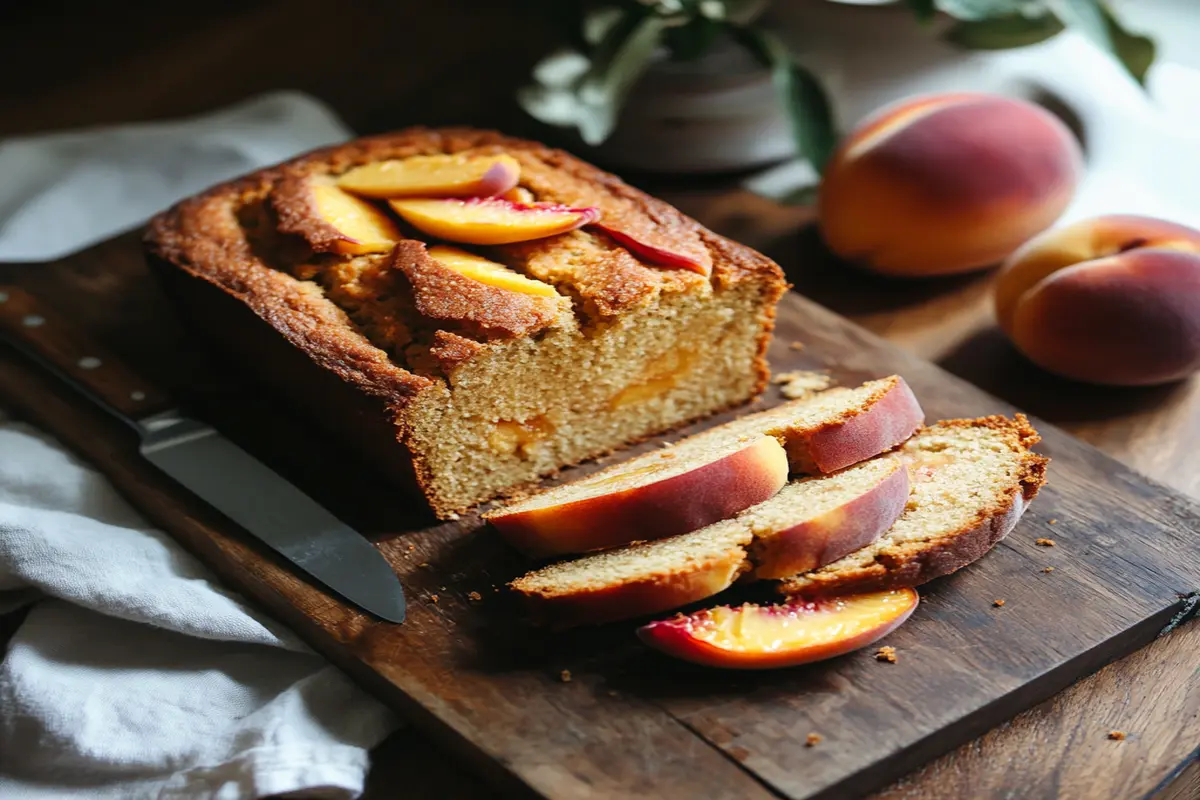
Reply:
x=810 y=522
x=712 y=475
x=971 y=481
x=836 y=428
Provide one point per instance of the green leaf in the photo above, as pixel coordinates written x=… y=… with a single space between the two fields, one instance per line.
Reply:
x=923 y=9
x=1096 y=21
x=691 y=41
x=1003 y=33
x=617 y=63
x=799 y=92
x=1135 y=51
x=988 y=9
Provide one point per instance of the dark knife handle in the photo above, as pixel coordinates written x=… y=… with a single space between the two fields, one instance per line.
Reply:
x=48 y=339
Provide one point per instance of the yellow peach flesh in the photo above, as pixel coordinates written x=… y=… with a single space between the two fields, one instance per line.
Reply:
x=755 y=629
x=434 y=176
x=490 y=220
x=366 y=229
x=487 y=272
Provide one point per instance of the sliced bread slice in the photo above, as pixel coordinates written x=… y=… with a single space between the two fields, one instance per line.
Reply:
x=836 y=428
x=971 y=481
x=636 y=580
x=816 y=521
x=662 y=493
x=714 y=474
x=809 y=523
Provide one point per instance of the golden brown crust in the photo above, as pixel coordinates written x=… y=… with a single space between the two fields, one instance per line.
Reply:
x=450 y=350
x=295 y=204
x=444 y=295
x=915 y=563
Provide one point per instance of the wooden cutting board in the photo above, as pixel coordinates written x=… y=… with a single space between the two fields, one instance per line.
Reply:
x=629 y=722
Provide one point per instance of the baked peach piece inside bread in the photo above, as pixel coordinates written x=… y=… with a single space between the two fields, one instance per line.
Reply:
x=469 y=369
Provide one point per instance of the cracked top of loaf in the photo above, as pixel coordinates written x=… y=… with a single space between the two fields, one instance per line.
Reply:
x=394 y=322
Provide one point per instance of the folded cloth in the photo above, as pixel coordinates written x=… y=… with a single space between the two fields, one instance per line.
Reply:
x=135 y=674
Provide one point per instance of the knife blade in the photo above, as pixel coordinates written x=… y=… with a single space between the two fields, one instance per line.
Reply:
x=208 y=464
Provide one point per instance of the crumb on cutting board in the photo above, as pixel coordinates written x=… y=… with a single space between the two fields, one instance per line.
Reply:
x=886 y=653
x=998 y=603
x=1117 y=736
x=1052 y=522
x=1044 y=542
x=813 y=739
x=476 y=596
x=1047 y=569
x=801 y=383
x=433 y=598
x=565 y=676
x=797 y=345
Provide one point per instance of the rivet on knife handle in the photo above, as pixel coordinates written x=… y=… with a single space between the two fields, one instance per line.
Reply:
x=50 y=340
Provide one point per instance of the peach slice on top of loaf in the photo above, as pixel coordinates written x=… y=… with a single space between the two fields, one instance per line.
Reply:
x=434 y=176
x=811 y=521
x=971 y=481
x=785 y=635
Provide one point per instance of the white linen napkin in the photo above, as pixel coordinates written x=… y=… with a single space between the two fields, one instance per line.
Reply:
x=135 y=674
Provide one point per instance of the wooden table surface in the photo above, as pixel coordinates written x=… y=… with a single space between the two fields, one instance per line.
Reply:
x=385 y=65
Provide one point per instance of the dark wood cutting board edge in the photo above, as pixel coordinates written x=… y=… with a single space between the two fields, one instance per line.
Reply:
x=721 y=766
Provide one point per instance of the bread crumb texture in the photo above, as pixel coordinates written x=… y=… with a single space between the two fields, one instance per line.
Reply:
x=1117 y=736
x=801 y=383
x=813 y=739
x=886 y=653
x=1043 y=542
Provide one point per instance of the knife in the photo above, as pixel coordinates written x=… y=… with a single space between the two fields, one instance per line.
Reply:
x=207 y=463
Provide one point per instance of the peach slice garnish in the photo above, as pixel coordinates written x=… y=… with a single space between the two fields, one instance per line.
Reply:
x=653 y=253
x=785 y=635
x=487 y=272
x=434 y=176
x=332 y=220
x=490 y=220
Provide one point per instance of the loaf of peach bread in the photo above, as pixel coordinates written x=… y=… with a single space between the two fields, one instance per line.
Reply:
x=470 y=311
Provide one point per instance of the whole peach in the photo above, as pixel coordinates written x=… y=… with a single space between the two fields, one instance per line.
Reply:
x=946 y=183
x=1111 y=300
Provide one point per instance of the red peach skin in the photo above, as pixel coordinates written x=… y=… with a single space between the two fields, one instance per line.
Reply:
x=786 y=635
x=633 y=599
x=893 y=417
x=654 y=254
x=946 y=183
x=823 y=539
x=650 y=506
x=1111 y=300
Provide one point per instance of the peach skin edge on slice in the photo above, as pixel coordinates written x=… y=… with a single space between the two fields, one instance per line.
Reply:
x=653 y=593
x=434 y=176
x=785 y=635
x=646 y=503
x=490 y=220
x=885 y=421
x=829 y=535
x=654 y=254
